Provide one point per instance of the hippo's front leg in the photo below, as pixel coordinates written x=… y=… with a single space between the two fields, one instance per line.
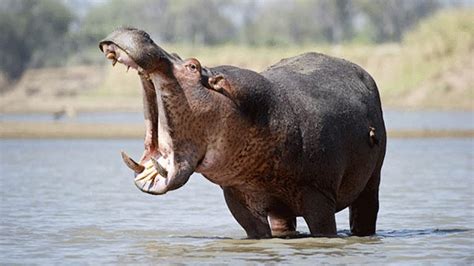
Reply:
x=256 y=227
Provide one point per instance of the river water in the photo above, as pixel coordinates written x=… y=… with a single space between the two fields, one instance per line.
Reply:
x=73 y=202
x=394 y=119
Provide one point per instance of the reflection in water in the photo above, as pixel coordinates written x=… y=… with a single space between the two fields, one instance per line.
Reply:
x=61 y=203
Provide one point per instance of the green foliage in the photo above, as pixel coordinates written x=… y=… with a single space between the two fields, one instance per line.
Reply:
x=443 y=34
x=27 y=27
x=390 y=19
x=38 y=33
x=197 y=22
x=304 y=21
x=432 y=49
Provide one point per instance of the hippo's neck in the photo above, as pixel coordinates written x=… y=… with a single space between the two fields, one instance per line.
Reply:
x=177 y=135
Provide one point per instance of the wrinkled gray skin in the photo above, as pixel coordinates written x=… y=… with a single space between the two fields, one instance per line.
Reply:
x=305 y=137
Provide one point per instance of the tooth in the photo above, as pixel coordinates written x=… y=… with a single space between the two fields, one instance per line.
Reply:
x=136 y=167
x=111 y=55
x=114 y=62
x=128 y=67
x=160 y=169
x=147 y=175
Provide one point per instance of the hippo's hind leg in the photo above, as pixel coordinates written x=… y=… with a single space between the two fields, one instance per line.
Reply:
x=363 y=211
x=256 y=227
x=319 y=212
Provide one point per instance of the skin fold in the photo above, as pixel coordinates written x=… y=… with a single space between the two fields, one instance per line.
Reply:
x=305 y=137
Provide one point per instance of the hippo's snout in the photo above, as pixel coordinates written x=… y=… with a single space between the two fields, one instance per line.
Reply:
x=134 y=48
x=116 y=54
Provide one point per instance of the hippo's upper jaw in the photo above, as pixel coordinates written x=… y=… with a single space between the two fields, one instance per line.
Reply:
x=129 y=44
x=116 y=54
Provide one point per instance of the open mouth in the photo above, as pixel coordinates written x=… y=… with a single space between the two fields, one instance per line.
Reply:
x=150 y=174
x=150 y=177
x=116 y=54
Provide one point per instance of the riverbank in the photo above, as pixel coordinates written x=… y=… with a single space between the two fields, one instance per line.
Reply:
x=71 y=130
x=430 y=69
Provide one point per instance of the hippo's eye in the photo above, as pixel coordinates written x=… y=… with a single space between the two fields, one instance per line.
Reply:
x=192 y=67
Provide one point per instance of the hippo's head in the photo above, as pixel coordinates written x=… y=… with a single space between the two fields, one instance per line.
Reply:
x=192 y=108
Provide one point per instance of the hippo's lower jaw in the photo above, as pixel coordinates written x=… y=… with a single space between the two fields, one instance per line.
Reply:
x=153 y=178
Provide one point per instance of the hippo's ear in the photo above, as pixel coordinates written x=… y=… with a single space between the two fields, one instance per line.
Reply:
x=219 y=84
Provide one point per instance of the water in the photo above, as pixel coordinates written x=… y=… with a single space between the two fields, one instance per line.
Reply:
x=394 y=119
x=73 y=202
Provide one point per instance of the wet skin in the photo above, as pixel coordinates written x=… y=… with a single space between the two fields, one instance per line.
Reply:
x=305 y=137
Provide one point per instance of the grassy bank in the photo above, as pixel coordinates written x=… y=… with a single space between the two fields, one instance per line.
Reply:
x=431 y=68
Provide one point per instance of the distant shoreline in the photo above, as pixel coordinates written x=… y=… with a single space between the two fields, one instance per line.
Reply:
x=70 y=130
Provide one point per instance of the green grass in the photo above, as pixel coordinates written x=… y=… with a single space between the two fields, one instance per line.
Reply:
x=435 y=44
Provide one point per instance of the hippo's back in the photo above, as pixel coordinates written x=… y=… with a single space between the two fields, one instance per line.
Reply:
x=324 y=77
x=334 y=104
x=320 y=85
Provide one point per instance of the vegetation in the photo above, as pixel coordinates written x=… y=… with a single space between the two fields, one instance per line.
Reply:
x=30 y=31
x=427 y=63
x=435 y=45
x=39 y=33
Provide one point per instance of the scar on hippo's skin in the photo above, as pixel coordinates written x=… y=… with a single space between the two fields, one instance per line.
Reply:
x=373 y=138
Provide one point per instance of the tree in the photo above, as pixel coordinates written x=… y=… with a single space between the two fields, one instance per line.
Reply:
x=391 y=18
x=28 y=26
x=200 y=22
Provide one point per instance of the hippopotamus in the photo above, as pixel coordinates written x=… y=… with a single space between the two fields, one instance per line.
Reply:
x=304 y=138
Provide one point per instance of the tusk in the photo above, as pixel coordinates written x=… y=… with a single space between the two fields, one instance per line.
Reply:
x=128 y=67
x=160 y=169
x=111 y=55
x=114 y=62
x=136 y=167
